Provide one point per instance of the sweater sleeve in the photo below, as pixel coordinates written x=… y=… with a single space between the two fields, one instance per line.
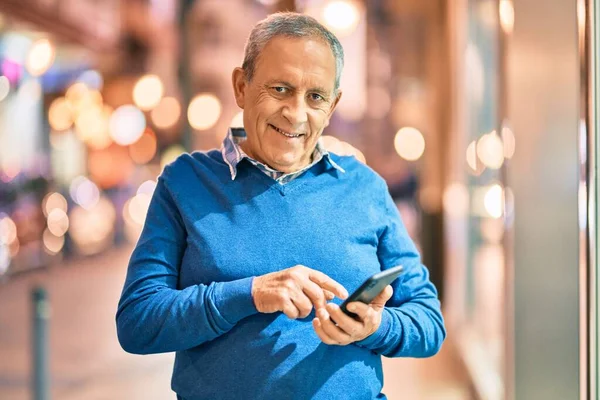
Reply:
x=412 y=324
x=153 y=315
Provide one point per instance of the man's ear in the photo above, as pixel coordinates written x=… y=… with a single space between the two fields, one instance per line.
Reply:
x=239 y=86
x=338 y=96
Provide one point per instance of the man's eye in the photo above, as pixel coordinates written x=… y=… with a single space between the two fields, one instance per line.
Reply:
x=316 y=97
x=280 y=89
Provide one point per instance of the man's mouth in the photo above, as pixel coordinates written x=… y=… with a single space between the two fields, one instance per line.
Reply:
x=286 y=134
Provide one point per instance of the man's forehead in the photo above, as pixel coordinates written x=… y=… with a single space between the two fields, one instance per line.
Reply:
x=289 y=59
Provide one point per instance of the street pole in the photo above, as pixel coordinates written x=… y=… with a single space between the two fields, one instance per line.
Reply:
x=41 y=315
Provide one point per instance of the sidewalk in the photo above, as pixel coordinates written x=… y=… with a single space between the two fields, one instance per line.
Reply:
x=86 y=361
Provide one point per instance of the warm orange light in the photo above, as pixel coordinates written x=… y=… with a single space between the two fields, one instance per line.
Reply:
x=507 y=15
x=92 y=127
x=58 y=222
x=54 y=201
x=508 y=139
x=60 y=115
x=75 y=93
x=52 y=244
x=409 y=143
x=456 y=200
x=92 y=230
x=490 y=150
x=204 y=111
x=8 y=230
x=238 y=120
x=147 y=92
x=40 y=57
x=341 y=17
x=110 y=167
x=144 y=150
x=167 y=113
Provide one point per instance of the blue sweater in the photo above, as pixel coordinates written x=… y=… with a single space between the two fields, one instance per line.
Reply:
x=188 y=286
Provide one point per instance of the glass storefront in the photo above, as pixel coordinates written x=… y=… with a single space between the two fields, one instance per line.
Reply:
x=476 y=265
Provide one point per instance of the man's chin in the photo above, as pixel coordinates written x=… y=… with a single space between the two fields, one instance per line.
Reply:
x=288 y=164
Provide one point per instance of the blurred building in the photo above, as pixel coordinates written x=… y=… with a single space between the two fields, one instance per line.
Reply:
x=480 y=114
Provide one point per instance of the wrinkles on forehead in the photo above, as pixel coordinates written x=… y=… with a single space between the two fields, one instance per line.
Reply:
x=310 y=68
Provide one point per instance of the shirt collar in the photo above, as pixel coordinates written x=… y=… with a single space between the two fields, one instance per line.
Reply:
x=233 y=153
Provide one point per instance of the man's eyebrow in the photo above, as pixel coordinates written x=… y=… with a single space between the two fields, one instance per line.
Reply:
x=319 y=90
x=279 y=82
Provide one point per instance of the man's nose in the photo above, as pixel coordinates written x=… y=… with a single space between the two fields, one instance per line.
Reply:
x=295 y=110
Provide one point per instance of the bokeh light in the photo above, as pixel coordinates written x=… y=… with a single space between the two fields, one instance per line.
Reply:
x=92 y=230
x=238 y=120
x=508 y=139
x=126 y=125
x=87 y=99
x=53 y=201
x=144 y=150
x=490 y=150
x=110 y=167
x=75 y=93
x=84 y=192
x=204 y=111
x=409 y=143
x=92 y=126
x=456 y=200
x=60 y=114
x=138 y=207
x=507 y=15
x=147 y=92
x=494 y=201
x=40 y=57
x=147 y=188
x=52 y=244
x=167 y=113
x=8 y=229
x=341 y=17
x=5 y=258
x=472 y=155
x=4 y=87
x=58 y=222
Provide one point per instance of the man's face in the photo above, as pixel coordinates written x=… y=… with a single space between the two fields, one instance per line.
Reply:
x=288 y=102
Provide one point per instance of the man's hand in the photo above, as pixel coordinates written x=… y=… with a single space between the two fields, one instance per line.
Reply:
x=341 y=148
x=294 y=291
x=345 y=329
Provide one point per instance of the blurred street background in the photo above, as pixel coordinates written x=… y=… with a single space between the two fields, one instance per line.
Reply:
x=480 y=114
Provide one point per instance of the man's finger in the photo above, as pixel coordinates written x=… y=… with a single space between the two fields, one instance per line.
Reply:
x=290 y=310
x=383 y=297
x=331 y=330
x=346 y=323
x=327 y=283
x=316 y=295
x=360 y=309
x=302 y=303
x=321 y=334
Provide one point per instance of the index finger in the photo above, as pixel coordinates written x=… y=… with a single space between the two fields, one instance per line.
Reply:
x=327 y=283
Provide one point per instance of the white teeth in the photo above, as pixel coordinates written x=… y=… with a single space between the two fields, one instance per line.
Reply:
x=284 y=133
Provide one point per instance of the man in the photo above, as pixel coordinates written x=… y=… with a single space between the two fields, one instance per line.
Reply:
x=243 y=248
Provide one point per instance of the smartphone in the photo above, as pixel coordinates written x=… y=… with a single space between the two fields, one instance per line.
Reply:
x=371 y=288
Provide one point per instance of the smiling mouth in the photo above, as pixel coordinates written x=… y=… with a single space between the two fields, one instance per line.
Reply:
x=286 y=134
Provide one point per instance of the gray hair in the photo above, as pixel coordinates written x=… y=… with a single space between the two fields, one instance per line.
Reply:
x=294 y=25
